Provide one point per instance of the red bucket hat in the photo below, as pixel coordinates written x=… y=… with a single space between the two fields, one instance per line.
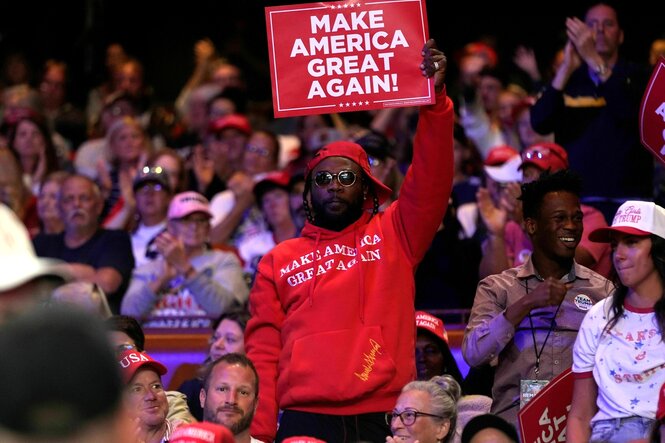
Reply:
x=357 y=154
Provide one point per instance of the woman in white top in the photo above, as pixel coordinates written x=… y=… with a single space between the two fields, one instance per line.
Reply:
x=619 y=354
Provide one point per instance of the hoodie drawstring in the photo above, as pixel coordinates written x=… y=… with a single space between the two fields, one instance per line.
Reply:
x=310 y=292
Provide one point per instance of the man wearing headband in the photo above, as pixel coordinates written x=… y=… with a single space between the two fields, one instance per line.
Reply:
x=332 y=332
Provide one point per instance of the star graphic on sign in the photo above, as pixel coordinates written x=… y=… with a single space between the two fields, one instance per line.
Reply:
x=613 y=372
x=341 y=105
x=638 y=345
x=366 y=102
x=634 y=402
x=354 y=103
x=348 y=104
x=346 y=6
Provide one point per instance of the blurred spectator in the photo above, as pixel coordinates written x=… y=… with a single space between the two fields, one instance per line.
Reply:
x=60 y=380
x=271 y=195
x=382 y=162
x=114 y=57
x=15 y=70
x=48 y=210
x=31 y=143
x=92 y=254
x=174 y=167
x=204 y=55
x=526 y=135
x=447 y=276
x=228 y=337
x=230 y=101
x=433 y=356
x=129 y=78
x=479 y=110
x=592 y=106
x=95 y=150
x=152 y=192
x=14 y=192
x=84 y=295
x=227 y=75
x=313 y=131
x=221 y=155
x=128 y=151
x=189 y=278
x=62 y=116
x=296 y=190
x=237 y=219
x=656 y=50
x=195 y=117
x=26 y=280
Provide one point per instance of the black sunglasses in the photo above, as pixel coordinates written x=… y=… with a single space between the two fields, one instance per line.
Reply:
x=345 y=178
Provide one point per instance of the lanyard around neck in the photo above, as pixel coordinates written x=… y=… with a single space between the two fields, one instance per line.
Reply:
x=533 y=332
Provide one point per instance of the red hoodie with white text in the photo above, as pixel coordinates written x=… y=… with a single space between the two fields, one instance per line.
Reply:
x=332 y=328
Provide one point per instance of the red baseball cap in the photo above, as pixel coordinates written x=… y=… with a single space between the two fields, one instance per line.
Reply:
x=271 y=180
x=355 y=153
x=132 y=360
x=302 y=439
x=202 y=432
x=431 y=324
x=235 y=121
x=500 y=154
x=545 y=156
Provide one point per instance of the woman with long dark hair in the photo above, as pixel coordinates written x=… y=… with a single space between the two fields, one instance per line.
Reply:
x=619 y=354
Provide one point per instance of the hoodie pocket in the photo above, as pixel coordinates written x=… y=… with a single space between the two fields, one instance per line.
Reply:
x=340 y=365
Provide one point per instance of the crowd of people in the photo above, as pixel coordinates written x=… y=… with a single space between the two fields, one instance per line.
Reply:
x=320 y=253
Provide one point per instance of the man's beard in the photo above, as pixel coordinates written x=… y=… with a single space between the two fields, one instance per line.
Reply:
x=337 y=222
x=236 y=428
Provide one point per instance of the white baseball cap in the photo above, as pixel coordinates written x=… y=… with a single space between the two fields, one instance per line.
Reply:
x=18 y=261
x=636 y=218
x=507 y=172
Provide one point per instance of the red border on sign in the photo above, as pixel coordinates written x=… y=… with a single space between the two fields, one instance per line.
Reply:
x=417 y=93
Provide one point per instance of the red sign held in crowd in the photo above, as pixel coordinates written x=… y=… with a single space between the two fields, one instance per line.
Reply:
x=652 y=112
x=347 y=56
x=544 y=418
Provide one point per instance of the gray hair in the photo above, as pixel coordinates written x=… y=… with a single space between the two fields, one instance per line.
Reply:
x=443 y=392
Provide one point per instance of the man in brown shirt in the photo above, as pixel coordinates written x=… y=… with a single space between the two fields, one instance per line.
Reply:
x=529 y=316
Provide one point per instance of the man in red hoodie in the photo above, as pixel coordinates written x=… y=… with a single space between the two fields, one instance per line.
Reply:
x=332 y=332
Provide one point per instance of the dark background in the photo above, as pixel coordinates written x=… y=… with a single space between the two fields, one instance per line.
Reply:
x=162 y=34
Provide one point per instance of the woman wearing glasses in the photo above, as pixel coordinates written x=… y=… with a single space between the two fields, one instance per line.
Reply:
x=425 y=412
